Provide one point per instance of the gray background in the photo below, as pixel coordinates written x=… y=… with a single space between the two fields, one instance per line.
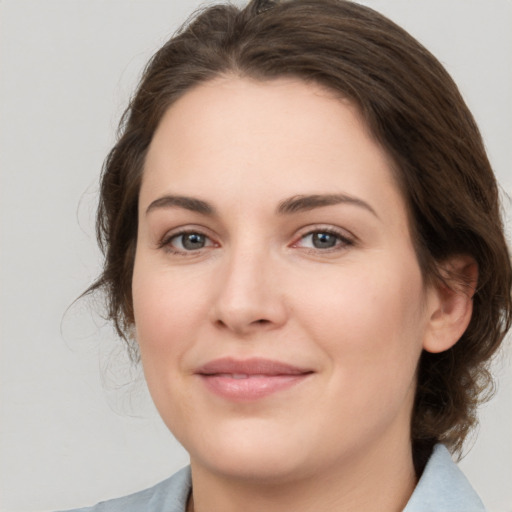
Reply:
x=73 y=428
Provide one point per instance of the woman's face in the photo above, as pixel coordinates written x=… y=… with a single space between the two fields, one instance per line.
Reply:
x=279 y=305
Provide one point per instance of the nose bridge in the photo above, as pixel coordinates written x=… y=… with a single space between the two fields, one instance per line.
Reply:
x=248 y=293
x=244 y=263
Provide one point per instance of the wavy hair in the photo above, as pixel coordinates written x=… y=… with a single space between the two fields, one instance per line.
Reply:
x=413 y=109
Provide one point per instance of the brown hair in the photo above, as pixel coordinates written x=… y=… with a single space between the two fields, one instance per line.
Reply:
x=413 y=109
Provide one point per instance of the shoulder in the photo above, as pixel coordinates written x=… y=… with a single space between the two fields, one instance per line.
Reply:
x=170 y=496
x=443 y=487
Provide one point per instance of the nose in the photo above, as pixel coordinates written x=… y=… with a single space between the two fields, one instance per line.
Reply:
x=250 y=298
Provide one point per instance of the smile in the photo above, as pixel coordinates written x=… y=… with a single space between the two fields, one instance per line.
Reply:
x=250 y=379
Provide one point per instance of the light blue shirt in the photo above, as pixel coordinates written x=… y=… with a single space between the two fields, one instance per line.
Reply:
x=442 y=488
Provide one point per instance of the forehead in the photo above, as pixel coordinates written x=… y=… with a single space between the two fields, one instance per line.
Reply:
x=265 y=140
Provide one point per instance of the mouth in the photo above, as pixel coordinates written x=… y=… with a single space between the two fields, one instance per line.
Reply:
x=249 y=379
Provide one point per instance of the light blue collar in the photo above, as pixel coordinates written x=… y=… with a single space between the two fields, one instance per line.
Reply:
x=443 y=487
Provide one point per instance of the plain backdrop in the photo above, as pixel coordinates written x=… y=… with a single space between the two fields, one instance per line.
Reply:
x=76 y=423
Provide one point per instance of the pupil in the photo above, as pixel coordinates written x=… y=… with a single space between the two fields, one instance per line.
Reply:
x=324 y=240
x=193 y=241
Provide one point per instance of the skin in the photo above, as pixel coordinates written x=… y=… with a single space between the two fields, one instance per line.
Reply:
x=357 y=314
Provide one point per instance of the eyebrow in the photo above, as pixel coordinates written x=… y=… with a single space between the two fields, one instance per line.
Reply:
x=289 y=206
x=188 y=203
x=302 y=203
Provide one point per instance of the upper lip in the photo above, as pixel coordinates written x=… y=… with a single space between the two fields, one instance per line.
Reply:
x=252 y=366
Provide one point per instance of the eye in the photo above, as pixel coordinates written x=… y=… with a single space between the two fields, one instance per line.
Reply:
x=186 y=242
x=324 y=239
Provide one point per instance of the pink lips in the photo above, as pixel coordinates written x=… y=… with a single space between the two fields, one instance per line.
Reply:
x=249 y=379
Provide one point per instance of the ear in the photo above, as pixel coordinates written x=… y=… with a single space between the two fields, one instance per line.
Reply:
x=450 y=303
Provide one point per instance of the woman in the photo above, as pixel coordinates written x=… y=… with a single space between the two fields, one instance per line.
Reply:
x=303 y=242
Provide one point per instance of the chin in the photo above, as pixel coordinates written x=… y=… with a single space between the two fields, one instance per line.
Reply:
x=265 y=467
x=257 y=452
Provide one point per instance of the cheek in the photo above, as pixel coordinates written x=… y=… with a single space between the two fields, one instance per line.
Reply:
x=166 y=313
x=166 y=308
x=367 y=318
x=371 y=330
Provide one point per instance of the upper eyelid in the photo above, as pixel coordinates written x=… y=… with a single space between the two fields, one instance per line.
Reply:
x=341 y=232
x=186 y=228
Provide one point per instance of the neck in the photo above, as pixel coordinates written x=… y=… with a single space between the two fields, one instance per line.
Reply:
x=381 y=481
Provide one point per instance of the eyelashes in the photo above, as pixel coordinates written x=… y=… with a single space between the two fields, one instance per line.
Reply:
x=324 y=240
x=189 y=241
x=317 y=239
x=186 y=242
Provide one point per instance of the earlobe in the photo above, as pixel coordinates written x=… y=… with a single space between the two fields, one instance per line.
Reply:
x=450 y=303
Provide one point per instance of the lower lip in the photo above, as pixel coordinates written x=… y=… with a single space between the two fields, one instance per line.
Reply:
x=251 y=388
